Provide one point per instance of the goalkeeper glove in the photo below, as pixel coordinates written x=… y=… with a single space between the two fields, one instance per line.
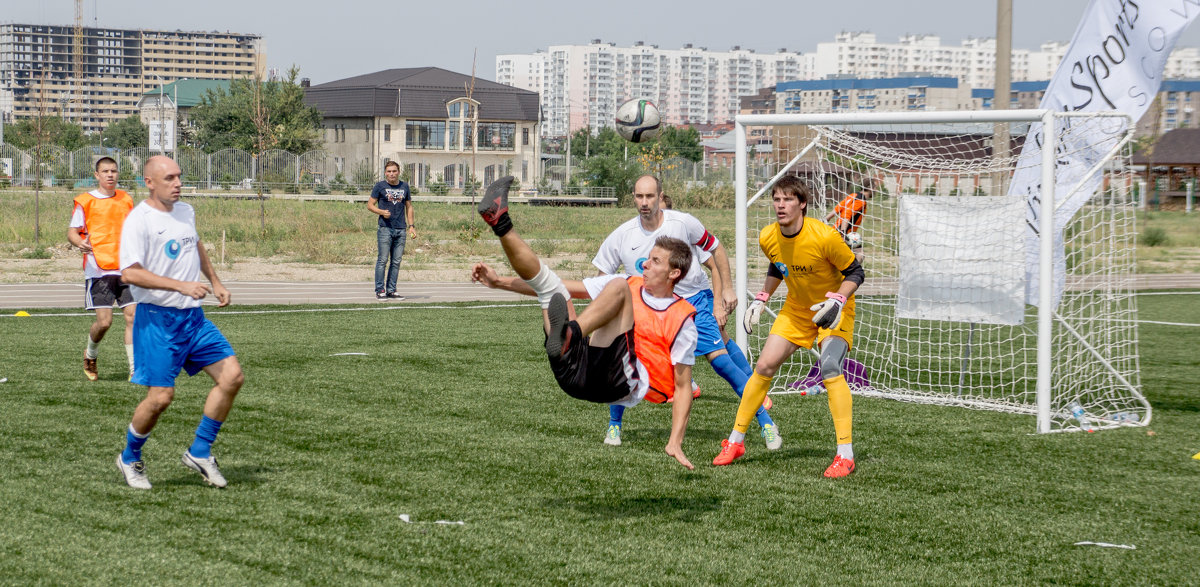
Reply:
x=754 y=312
x=829 y=312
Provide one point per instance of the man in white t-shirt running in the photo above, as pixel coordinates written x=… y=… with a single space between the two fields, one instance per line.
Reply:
x=627 y=247
x=162 y=258
x=96 y=230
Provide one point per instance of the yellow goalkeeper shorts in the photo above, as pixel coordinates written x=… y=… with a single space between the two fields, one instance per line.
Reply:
x=795 y=324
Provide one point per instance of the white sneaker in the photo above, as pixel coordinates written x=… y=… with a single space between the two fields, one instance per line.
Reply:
x=613 y=437
x=770 y=433
x=135 y=473
x=206 y=467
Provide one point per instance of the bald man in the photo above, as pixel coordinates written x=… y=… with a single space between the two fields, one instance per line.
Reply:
x=162 y=258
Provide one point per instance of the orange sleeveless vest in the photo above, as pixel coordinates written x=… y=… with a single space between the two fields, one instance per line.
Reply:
x=654 y=331
x=102 y=222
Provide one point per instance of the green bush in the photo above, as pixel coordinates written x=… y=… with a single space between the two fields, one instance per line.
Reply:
x=1153 y=236
x=320 y=189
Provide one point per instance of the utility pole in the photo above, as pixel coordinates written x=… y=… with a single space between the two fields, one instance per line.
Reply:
x=1001 y=93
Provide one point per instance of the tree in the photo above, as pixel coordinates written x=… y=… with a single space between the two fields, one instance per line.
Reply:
x=51 y=130
x=127 y=133
x=612 y=171
x=225 y=119
x=681 y=142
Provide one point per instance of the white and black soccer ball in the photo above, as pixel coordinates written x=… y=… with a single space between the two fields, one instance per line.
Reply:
x=638 y=121
x=854 y=239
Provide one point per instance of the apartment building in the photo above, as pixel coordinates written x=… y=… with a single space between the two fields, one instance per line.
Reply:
x=860 y=54
x=40 y=70
x=581 y=86
x=1174 y=107
x=910 y=94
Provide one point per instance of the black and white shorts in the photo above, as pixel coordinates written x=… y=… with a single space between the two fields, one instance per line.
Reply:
x=103 y=292
x=597 y=374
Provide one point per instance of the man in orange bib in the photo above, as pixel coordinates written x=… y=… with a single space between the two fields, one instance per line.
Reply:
x=636 y=339
x=96 y=230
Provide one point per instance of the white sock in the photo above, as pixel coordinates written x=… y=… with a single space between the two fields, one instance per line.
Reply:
x=736 y=436
x=846 y=451
x=547 y=283
x=91 y=348
x=129 y=354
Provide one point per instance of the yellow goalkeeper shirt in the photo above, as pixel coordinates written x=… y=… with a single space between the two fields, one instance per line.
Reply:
x=811 y=261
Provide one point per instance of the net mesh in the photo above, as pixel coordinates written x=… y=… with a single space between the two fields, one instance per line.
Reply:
x=943 y=316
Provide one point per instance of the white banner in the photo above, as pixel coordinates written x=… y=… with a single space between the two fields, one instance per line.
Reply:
x=1115 y=62
x=960 y=259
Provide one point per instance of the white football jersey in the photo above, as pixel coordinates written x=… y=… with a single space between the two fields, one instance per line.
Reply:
x=165 y=244
x=629 y=245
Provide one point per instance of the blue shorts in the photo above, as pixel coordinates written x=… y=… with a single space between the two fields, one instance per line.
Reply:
x=706 y=324
x=167 y=340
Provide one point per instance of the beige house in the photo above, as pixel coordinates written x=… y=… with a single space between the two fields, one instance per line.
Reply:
x=424 y=119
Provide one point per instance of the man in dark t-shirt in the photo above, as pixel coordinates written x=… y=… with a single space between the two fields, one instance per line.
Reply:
x=391 y=199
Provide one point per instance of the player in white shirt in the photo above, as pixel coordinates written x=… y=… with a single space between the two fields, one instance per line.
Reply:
x=163 y=259
x=627 y=247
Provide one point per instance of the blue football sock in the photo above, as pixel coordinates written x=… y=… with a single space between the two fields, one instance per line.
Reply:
x=133 y=446
x=739 y=358
x=615 y=413
x=206 y=434
x=727 y=368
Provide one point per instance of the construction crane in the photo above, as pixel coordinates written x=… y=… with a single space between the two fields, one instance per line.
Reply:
x=77 y=77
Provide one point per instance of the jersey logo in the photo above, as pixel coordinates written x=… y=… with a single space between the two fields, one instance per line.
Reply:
x=172 y=249
x=782 y=268
x=639 y=263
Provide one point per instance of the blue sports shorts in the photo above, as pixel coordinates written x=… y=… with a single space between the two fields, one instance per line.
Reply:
x=706 y=324
x=167 y=340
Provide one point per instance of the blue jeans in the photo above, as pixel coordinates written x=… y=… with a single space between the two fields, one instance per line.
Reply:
x=391 y=243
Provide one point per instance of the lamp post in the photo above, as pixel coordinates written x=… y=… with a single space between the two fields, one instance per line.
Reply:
x=110 y=103
x=162 y=124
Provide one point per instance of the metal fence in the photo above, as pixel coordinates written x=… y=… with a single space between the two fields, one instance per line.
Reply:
x=227 y=169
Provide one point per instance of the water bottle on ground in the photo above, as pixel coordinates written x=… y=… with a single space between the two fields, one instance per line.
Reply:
x=813 y=390
x=1126 y=418
x=1077 y=411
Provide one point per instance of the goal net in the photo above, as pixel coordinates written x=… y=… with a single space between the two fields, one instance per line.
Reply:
x=953 y=310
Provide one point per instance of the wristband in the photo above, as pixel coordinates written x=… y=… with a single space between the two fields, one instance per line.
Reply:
x=837 y=296
x=762 y=296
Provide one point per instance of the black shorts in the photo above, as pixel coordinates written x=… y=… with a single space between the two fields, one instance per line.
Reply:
x=597 y=374
x=103 y=292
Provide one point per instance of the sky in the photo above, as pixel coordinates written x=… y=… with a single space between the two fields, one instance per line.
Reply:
x=334 y=40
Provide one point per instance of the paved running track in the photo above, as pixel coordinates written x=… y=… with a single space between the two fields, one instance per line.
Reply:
x=24 y=296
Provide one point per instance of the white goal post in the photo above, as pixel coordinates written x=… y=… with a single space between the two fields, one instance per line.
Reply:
x=965 y=304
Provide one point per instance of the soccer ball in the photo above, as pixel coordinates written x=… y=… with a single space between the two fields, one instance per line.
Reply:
x=854 y=239
x=638 y=120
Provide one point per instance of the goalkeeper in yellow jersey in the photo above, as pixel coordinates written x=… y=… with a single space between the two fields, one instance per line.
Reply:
x=821 y=275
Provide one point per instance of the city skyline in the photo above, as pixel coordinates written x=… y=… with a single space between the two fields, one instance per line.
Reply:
x=328 y=49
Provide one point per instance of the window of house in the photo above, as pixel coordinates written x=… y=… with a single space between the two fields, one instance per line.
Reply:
x=387 y=132
x=497 y=136
x=525 y=137
x=425 y=134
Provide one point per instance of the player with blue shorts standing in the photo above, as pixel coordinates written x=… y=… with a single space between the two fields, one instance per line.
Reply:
x=162 y=258
x=628 y=246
